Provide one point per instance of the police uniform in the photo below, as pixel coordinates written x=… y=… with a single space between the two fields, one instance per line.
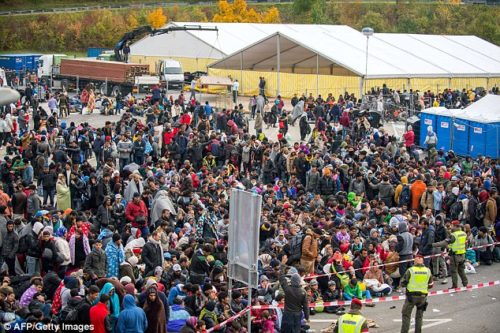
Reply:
x=416 y=280
x=457 y=249
x=353 y=321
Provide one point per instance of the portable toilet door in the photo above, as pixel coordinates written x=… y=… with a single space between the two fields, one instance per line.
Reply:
x=443 y=131
x=477 y=139
x=460 y=137
x=426 y=119
x=491 y=139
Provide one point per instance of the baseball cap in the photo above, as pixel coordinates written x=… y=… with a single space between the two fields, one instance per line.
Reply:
x=177 y=268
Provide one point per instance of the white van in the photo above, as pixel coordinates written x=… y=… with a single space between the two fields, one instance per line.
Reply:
x=171 y=73
x=48 y=65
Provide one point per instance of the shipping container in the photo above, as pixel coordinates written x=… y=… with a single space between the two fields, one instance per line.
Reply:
x=94 y=52
x=19 y=62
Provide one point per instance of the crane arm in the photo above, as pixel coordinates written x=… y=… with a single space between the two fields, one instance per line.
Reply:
x=162 y=31
x=147 y=30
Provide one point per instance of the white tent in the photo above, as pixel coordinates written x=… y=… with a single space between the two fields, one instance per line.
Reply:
x=323 y=48
x=486 y=110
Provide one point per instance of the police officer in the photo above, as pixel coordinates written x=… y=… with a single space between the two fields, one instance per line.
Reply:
x=417 y=281
x=457 y=243
x=353 y=321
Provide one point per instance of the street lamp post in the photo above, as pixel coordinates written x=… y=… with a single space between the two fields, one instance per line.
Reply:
x=367 y=31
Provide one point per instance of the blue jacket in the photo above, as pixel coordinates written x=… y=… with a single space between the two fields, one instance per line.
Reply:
x=178 y=317
x=175 y=292
x=132 y=319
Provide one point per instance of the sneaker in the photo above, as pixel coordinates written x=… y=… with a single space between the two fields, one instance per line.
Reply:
x=445 y=281
x=370 y=305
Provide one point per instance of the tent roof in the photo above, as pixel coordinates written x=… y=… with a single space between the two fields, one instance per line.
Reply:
x=485 y=110
x=338 y=47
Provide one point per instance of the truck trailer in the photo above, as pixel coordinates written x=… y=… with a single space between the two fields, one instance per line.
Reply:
x=108 y=77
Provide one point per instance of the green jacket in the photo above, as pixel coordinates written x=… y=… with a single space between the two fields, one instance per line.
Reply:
x=354 y=291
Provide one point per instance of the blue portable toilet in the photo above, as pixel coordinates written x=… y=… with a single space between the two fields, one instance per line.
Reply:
x=460 y=141
x=427 y=118
x=477 y=139
x=443 y=131
x=484 y=126
x=492 y=146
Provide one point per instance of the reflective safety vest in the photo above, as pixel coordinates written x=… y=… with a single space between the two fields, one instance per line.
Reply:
x=350 y=323
x=419 y=279
x=458 y=246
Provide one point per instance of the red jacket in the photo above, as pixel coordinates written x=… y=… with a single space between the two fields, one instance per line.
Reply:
x=409 y=138
x=134 y=210
x=185 y=119
x=168 y=136
x=98 y=314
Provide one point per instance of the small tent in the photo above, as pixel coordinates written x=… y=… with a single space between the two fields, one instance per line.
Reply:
x=483 y=119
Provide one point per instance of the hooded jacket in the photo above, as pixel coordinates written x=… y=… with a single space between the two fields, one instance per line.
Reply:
x=132 y=319
x=155 y=314
x=97 y=316
x=405 y=240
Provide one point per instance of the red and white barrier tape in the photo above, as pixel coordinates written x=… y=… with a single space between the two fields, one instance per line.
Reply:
x=229 y=320
x=310 y=277
x=345 y=303
x=392 y=298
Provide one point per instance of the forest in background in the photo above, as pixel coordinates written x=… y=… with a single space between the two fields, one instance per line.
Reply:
x=103 y=28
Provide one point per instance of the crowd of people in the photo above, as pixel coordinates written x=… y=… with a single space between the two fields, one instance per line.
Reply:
x=126 y=228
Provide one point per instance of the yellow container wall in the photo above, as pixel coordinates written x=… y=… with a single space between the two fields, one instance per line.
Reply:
x=468 y=83
x=188 y=64
x=432 y=84
x=291 y=84
x=493 y=82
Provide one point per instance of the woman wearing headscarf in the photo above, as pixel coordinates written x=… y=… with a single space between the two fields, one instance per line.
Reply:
x=114 y=302
x=155 y=312
x=63 y=194
x=132 y=319
x=63 y=251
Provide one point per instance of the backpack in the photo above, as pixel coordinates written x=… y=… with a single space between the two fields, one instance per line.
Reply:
x=70 y=313
x=296 y=247
x=405 y=196
x=23 y=244
x=480 y=211
x=455 y=210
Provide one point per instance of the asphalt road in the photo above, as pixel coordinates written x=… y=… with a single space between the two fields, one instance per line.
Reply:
x=466 y=312
x=98 y=120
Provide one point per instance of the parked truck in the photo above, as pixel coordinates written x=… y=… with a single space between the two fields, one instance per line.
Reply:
x=108 y=77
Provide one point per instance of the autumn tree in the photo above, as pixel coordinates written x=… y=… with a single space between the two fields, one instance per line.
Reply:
x=271 y=16
x=132 y=21
x=157 y=18
x=238 y=11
